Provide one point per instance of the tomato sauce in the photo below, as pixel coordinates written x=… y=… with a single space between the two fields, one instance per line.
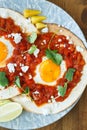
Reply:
x=72 y=58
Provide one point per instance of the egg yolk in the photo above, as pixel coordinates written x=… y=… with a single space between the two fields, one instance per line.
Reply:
x=3 y=51
x=49 y=71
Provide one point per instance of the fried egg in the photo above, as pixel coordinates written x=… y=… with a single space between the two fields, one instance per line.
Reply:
x=6 y=51
x=47 y=72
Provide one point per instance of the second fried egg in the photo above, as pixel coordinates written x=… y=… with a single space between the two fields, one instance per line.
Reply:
x=47 y=72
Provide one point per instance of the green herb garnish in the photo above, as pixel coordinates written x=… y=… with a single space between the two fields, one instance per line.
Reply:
x=54 y=56
x=69 y=74
x=32 y=37
x=17 y=82
x=3 y=79
x=26 y=91
x=32 y=49
x=62 y=90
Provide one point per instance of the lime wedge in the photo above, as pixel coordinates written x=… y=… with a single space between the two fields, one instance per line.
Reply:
x=10 y=111
x=3 y=102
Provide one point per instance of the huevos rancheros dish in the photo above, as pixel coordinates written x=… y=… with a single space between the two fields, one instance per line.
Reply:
x=43 y=71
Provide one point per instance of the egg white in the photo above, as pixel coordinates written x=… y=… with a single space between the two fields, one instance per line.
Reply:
x=37 y=78
x=10 y=50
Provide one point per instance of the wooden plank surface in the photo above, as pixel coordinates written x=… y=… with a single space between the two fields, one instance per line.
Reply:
x=76 y=119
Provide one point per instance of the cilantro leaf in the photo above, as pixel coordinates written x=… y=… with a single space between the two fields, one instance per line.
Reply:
x=54 y=56
x=32 y=49
x=17 y=82
x=69 y=74
x=32 y=37
x=62 y=90
x=26 y=91
x=3 y=79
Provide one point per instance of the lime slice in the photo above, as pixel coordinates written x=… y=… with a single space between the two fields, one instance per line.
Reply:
x=3 y=102
x=10 y=111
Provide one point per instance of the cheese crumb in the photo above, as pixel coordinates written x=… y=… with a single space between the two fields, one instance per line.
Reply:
x=36 y=52
x=20 y=74
x=62 y=45
x=67 y=37
x=17 y=37
x=59 y=94
x=44 y=41
x=49 y=101
x=70 y=42
x=60 y=30
x=30 y=76
x=59 y=40
x=53 y=100
x=36 y=92
x=24 y=57
x=52 y=97
x=24 y=68
x=59 y=25
x=79 y=48
x=21 y=64
x=11 y=67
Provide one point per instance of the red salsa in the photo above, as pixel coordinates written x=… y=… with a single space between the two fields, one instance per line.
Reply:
x=72 y=58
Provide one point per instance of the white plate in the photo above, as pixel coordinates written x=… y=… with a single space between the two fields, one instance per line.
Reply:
x=54 y=15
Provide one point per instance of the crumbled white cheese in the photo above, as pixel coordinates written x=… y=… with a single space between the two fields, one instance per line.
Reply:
x=79 y=48
x=15 y=64
x=20 y=74
x=36 y=92
x=21 y=64
x=30 y=76
x=52 y=97
x=53 y=100
x=49 y=101
x=60 y=30
x=67 y=37
x=62 y=45
x=58 y=25
x=24 y=68
x=70 y=42
x=24 y=57
x=17 y=37
x=36 y=52
x=44 y=41
x=59 y=40
x=11 y=67
x=44 y=30
x=56 y=45
x=59 y=94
